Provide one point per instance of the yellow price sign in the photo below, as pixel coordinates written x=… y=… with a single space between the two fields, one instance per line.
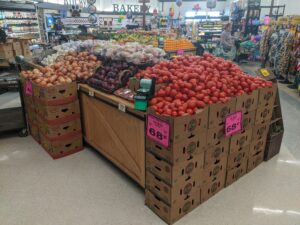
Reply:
x=265 y=72
x=299 y=87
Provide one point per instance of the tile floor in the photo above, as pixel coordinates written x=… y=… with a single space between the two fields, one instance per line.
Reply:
x=86 y=189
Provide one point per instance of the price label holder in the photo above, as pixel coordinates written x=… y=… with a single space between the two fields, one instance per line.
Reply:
x=265 y=72
x=28 y=88
x=122 y=107
x=233 y=123
x=158 y=130
x=180 y=52
x=91 y=93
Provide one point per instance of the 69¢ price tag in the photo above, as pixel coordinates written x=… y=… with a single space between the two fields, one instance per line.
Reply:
x=233 y=123
x=158 y=130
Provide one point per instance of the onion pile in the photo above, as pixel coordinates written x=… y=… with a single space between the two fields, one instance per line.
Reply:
x=73 y=66
x=112 y=77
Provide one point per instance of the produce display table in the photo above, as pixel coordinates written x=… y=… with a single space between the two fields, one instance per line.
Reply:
x=114 y=128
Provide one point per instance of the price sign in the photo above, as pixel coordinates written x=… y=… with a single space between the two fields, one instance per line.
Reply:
x=158 y=130
x=91 y=93
x=180 y=52
x=28 y=88
x=265 y=72
x=299 y=87
x=122 y=107
x=233 y=123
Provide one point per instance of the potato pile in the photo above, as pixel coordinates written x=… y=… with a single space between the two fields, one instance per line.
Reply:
x=73 y=66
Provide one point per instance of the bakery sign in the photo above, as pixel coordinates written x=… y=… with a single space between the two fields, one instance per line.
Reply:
x=131 y=8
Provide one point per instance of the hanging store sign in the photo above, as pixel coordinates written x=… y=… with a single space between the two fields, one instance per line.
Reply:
x=80 y=3
x=130 y=8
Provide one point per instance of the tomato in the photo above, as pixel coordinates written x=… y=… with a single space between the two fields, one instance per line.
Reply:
x=180 y=113
x=192 y=104
x=153 y=101
x=160 y=104
x=206 y=99
x=210 y=84
x=222 y=95
x=173 y=93
x=168 y=99
x=191 y=94
x=184 y=97
x=190 y=111
x=174 y=113
x=214 y=99
x=200 y=104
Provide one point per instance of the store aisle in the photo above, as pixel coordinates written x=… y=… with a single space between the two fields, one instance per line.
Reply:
x=85 y=189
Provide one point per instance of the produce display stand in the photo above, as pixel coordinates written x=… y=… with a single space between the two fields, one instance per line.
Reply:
x=114 y=128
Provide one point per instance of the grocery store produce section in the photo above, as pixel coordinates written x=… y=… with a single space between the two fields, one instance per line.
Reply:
x=183 y=128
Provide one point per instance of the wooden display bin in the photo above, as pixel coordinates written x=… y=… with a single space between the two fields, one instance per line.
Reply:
x=115 y=129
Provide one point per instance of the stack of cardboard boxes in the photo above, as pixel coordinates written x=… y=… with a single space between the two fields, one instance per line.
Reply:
x=173 y=172
x=6 y=54
x=200 y=159
x=12 y=48
x=53 y=116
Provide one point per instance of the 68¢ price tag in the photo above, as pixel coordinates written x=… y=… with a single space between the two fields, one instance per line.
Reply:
x=233 y=123
x=158 y=130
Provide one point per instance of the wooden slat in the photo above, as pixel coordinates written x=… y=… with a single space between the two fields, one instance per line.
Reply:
x=117 y=135
x=115 y=100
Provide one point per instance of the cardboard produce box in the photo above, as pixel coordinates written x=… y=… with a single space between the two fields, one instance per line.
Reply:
x=255 y=160
x=247 y=103
x=211 y=188
x=236 y=173
x=62 y=130
x=17 y=48
x=214 y=172
x=266 y=97
x=215 y=136
x=177 y=173
x=171 y=194
x=171 y=214
x=6 y=51
x=4 y=63
x=248 y=120
x=183 y=127
x=34 y=131
x=31 y=113
x=55 y=95
x=216 y=153
x=60 y=148
x=258 y=145
x=240 y=140
x=263 y=115
x=16 y=45
x=238 y=157
x=179 y=151
x=60 y=113
x=260 y=131
x=219 y=111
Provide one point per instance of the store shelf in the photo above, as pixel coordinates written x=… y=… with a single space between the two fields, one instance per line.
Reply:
x=21 y=32
x=18 y=19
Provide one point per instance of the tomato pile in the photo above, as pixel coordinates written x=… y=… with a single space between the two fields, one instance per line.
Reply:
x=193 y=82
